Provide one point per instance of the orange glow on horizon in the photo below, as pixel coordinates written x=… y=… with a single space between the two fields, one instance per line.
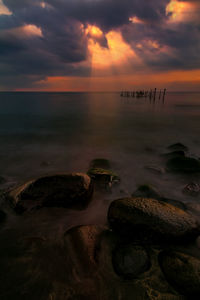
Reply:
x=116 y=83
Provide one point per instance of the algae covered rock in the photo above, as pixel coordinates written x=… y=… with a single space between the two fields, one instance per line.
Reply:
x=150 y=220
x=182 y=271
x=64 y=190
x=129 y=261
x=181 y=164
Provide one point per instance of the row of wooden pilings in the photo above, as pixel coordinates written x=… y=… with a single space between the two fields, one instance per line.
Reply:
x=152 y=94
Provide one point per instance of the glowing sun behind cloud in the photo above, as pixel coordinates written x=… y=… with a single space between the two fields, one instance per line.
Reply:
x=179 y=11
x=115 y=54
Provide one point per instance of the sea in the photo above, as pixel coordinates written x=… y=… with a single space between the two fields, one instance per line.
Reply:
x=49 y=133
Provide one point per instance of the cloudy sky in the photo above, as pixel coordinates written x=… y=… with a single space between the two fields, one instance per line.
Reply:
x=99 y=45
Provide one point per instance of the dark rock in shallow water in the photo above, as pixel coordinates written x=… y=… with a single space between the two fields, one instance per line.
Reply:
x=129 y=261
x=183 y=165
x=147 y=191
x=150 y=221
x=178 y=147
x=182 y=271
x=174 y=154
x=65 y=190
x=192 y=189
x=2 y=216
x=2 y=180
x=100 y=163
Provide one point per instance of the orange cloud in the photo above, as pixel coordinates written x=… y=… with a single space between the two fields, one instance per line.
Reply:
x=179 y=11
x=4 y=10
x=25 y=31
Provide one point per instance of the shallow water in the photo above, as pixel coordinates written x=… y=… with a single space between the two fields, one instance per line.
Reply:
x=44 y=133
x=47 y=133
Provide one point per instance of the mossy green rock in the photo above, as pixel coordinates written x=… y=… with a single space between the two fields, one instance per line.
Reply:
x=150 y=220
x=183 y=165
x=182 y=271
x=104 y=175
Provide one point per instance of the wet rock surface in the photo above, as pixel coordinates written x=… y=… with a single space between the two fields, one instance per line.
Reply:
x=65 y=190
x=182 y=271
x=129 y=261
x=151 y=220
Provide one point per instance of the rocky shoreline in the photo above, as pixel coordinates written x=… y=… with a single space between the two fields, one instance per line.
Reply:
x=147 y=250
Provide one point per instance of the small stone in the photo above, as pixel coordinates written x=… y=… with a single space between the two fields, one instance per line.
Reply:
x=192 y=189
x=104 y=178
x=178 y=147
x=174 y=154
x=183 y=165
x=155 y=169
x=129 y=261
x=147 y=191
x=182 y=271
x=100 y=163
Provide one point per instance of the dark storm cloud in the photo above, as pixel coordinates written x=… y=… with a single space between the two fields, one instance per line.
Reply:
x=63 y=45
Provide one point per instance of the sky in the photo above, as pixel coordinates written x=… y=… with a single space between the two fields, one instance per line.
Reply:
x=99 y=45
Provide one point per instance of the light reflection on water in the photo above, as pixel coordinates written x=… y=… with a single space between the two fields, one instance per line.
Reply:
x=68 y=130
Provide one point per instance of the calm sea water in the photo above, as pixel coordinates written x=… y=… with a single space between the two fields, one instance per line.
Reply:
x=44 y=133
x=67 y=131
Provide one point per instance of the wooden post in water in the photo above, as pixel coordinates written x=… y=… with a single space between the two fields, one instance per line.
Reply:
x=164 y=95
x=160 y=94
x=154 y=98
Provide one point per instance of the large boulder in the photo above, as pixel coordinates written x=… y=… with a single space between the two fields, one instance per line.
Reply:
x=182 y=271
x=64 y=190
x=181 y=164
x=150 y=220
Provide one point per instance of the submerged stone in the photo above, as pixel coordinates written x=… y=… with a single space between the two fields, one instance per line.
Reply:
x=178 y=147
x=182 y=271
x=103 y=177
x=150 y=221
x=100 y=163
x=65 y=190
x=174 y=154
x=147 y=191
x=192 y=189
x=183 y=165
x=129 y=261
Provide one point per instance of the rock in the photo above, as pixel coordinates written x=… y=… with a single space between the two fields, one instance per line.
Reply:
x=183 y=165
x=192 y=189
x=129 y=261
x=182 y=271
x=2 y=180
x=147 y=191
x=155 y=169
x=174 y=154
x=178 y=147
x=64 y=190
x=100 y=163
x=150 y=221
x=103 y=177
x=2 y=216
